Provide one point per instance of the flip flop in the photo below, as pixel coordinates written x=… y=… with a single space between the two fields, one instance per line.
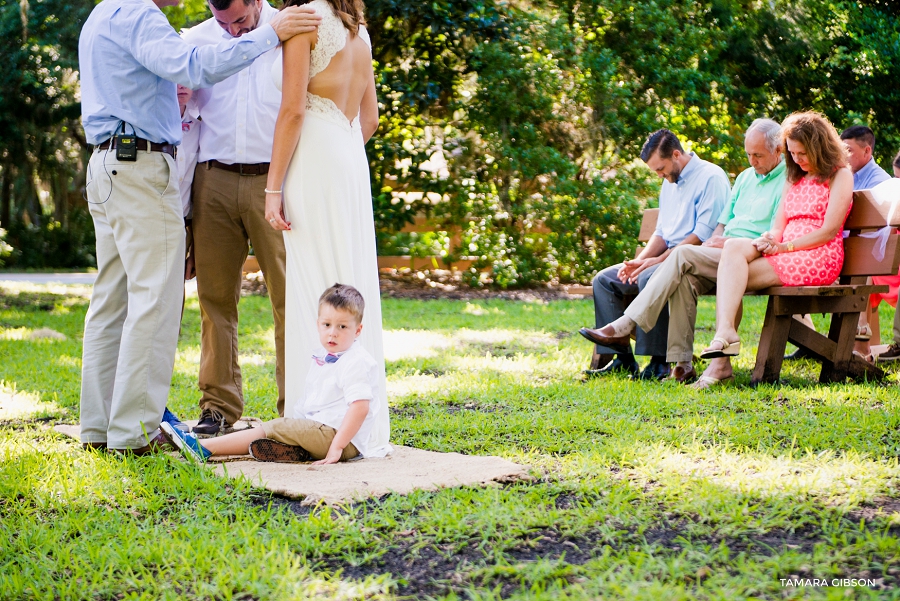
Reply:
x=707 y=382
x=864 y=332
x=729 y=349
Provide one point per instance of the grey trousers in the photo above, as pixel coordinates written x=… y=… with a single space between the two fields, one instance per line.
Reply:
x=609 y=305
x=687 y=272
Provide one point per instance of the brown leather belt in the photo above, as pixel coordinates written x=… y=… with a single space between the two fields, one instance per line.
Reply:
x=142 y=144
x=242 y=168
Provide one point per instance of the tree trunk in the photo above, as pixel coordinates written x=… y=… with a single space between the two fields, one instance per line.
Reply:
x=5 y=198
x=31 y=206
x=60 y=198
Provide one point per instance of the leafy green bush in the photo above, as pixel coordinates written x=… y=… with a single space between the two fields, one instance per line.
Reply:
x=533 y=197
x=5 y=249
x=536 y=111
x=51 y=245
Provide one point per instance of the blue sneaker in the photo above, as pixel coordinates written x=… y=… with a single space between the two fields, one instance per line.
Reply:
x=188 y=444
x=172 y=419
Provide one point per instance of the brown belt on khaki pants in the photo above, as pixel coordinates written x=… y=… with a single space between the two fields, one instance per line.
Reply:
x=241 y=168
x=142 y=144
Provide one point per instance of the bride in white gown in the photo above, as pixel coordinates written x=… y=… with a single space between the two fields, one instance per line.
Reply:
x=328 y=112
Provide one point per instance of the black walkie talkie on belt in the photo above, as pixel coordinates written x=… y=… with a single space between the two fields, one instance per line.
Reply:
x=126 y=146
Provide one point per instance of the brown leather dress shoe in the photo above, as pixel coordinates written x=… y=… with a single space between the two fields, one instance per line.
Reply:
x=93 y=446
x=158 y=444
x=620 y=344
x=683 y=375
x=139 y=452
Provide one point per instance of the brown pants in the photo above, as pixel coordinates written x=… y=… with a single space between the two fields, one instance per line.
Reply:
x=313 y=436
x=229 y=210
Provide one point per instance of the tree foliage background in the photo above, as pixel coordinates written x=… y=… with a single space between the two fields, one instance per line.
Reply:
x=515 y=124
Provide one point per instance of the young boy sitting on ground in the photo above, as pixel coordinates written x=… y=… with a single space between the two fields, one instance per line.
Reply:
x=337 y=412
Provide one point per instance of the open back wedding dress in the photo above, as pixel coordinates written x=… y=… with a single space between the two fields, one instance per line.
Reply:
x=328 y=202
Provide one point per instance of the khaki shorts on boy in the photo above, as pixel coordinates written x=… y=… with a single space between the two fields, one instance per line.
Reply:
x=313 y=436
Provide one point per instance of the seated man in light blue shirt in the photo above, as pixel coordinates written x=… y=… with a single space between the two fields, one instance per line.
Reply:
x=130 y=59
x=867 y=174
x=691 y=199
x=860 y=141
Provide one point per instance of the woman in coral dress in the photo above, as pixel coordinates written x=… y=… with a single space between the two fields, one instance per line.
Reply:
x=805 y=246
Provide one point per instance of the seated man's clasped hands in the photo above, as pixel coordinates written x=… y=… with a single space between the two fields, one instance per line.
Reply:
x=805 y=244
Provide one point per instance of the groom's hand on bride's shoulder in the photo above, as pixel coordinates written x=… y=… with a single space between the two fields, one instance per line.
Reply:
x=294 y=20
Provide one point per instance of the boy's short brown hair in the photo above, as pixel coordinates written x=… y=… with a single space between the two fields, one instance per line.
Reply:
x=344 y=298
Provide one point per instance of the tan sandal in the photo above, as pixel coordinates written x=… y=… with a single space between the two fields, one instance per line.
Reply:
x=729 y=349
x=863 y=332
x=870 y=358
x=707 y=382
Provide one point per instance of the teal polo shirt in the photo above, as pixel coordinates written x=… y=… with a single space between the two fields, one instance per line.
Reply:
x=754 y=200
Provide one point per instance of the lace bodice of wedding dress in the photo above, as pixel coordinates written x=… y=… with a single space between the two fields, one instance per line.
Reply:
x=332 y=37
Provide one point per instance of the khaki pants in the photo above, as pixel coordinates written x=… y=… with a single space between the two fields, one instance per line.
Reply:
x=229 y=210
x=313 y=436
x=131 y=328
x=687 y=272
x=609 y=305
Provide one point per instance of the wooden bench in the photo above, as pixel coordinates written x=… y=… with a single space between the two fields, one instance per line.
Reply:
x=871 y=211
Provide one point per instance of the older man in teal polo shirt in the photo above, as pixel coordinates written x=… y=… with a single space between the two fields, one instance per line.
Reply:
x=691 y=270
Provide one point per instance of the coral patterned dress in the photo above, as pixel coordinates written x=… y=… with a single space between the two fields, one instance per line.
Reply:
x=804 y=208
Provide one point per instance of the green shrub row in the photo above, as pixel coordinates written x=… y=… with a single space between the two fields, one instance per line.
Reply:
x=50 y=245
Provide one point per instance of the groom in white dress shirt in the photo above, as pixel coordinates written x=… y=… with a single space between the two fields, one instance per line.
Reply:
x=229 y=204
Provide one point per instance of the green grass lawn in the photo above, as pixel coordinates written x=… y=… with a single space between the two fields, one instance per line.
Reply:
x=640 y=491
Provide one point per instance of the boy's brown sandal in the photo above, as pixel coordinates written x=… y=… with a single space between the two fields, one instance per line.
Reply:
x=265 y=449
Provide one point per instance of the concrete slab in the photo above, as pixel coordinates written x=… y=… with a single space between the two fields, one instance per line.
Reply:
x=50 y=278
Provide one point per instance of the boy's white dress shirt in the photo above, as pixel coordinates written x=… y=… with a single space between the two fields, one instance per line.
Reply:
x=332 y=387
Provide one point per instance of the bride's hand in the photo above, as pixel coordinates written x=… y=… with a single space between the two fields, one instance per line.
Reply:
x=294 y=20
x=275 y=212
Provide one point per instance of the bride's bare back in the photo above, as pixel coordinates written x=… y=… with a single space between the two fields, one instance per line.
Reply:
x=346 y=78
x=331 y=63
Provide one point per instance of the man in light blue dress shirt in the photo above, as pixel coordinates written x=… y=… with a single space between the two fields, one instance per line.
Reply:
x=860 y=141
x=867 y=174
x=692 y=197
x=130 y=59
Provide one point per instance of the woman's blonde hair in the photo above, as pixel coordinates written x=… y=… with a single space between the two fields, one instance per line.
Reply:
x=349 y=11
x=824 y=148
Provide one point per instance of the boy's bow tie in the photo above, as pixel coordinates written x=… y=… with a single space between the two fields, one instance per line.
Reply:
x=329 y=358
